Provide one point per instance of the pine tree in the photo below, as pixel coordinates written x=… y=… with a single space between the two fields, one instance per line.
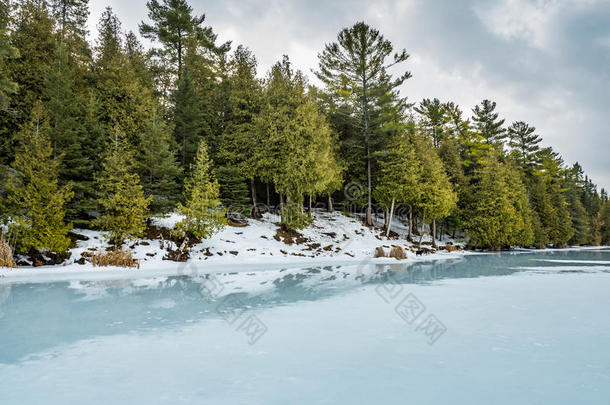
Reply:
x=297 y=155
x=500 y=215
x=524 y=144
x=487 y=124
x=234 y=193
x=433 y=119
x=7 y=51
x=604 y=219
x=203 y=216
x=450 y=153
x=524 y=230
x=93 y=143
x=239 y=144
x=67 y=133
x=157 y=166
x=437 y=198
x=556 y=222
x=125 y=100
x=400 y=172
x=139 y=61
x=122 y=202
x=71 y=17
x=109 y=41
x=355 y=67
x=34 y=196
x=172 y=23
x=573 y=185
x=187 y=120
x=33 y=37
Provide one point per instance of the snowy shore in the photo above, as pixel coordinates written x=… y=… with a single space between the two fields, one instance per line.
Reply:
x=332 y=239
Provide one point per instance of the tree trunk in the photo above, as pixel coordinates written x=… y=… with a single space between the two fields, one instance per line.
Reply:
x=268 y=198
x=281 y=204
x=369 y=209
x=330 y=203
x=310 y=206
x=385 y=218
x=421 y=233
x=434 y=233
x=253 y=191
x=410 y=234
x=387 y=231
x=365 y=116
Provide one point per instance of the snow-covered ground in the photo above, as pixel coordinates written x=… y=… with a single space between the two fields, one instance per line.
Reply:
x=332 y=238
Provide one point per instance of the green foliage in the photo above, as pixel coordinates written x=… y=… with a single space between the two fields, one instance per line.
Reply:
x=172 y=23
x=67 y=134
x=604 y=219
x=202 y=213
x=433 y=119
x=400 y=170
x=122 y=202
x=34 y=196
x=71 y=17
x=436 y=196
x=300 y=158
x=157 y=166
x=500 y=215
x=159 y=106
x=234 y=192
x=355 y=70
x=187 y=119
x=33 y=37
x=487 y=123
x=574 y=187
x=293 y=216
x=524 y=144
x=240 y=144
x=7 y=51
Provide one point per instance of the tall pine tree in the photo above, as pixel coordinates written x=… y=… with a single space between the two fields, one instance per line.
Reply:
x=157 y=166
x=355 y=67
x=122 y=202
x=203 y=215
x=34 y=196
x=487 y=123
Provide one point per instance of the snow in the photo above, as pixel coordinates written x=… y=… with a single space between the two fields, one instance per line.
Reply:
x=332 y=238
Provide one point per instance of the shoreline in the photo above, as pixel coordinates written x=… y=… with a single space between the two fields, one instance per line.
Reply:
x=333 y=239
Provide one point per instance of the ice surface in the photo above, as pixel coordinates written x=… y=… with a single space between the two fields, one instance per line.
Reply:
x=334 y=334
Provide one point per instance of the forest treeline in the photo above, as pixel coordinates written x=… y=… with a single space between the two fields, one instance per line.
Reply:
x=106 y=134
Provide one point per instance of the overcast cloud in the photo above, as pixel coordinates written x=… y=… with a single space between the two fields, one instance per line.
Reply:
x=544 y=62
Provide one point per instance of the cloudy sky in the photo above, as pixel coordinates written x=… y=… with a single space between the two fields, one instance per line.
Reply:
x=545 y=62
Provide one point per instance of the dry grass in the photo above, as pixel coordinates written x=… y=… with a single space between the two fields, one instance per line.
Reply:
x=6 y=254
x=379 y=252
x=398 y=253
x=118 y=258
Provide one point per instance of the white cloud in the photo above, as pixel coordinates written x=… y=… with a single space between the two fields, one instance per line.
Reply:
x=519 y=20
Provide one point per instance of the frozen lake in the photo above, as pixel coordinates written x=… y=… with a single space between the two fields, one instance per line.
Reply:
x=510 y=328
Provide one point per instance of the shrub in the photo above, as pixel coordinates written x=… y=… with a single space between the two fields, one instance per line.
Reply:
x=6 y=255
x=118 y=258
